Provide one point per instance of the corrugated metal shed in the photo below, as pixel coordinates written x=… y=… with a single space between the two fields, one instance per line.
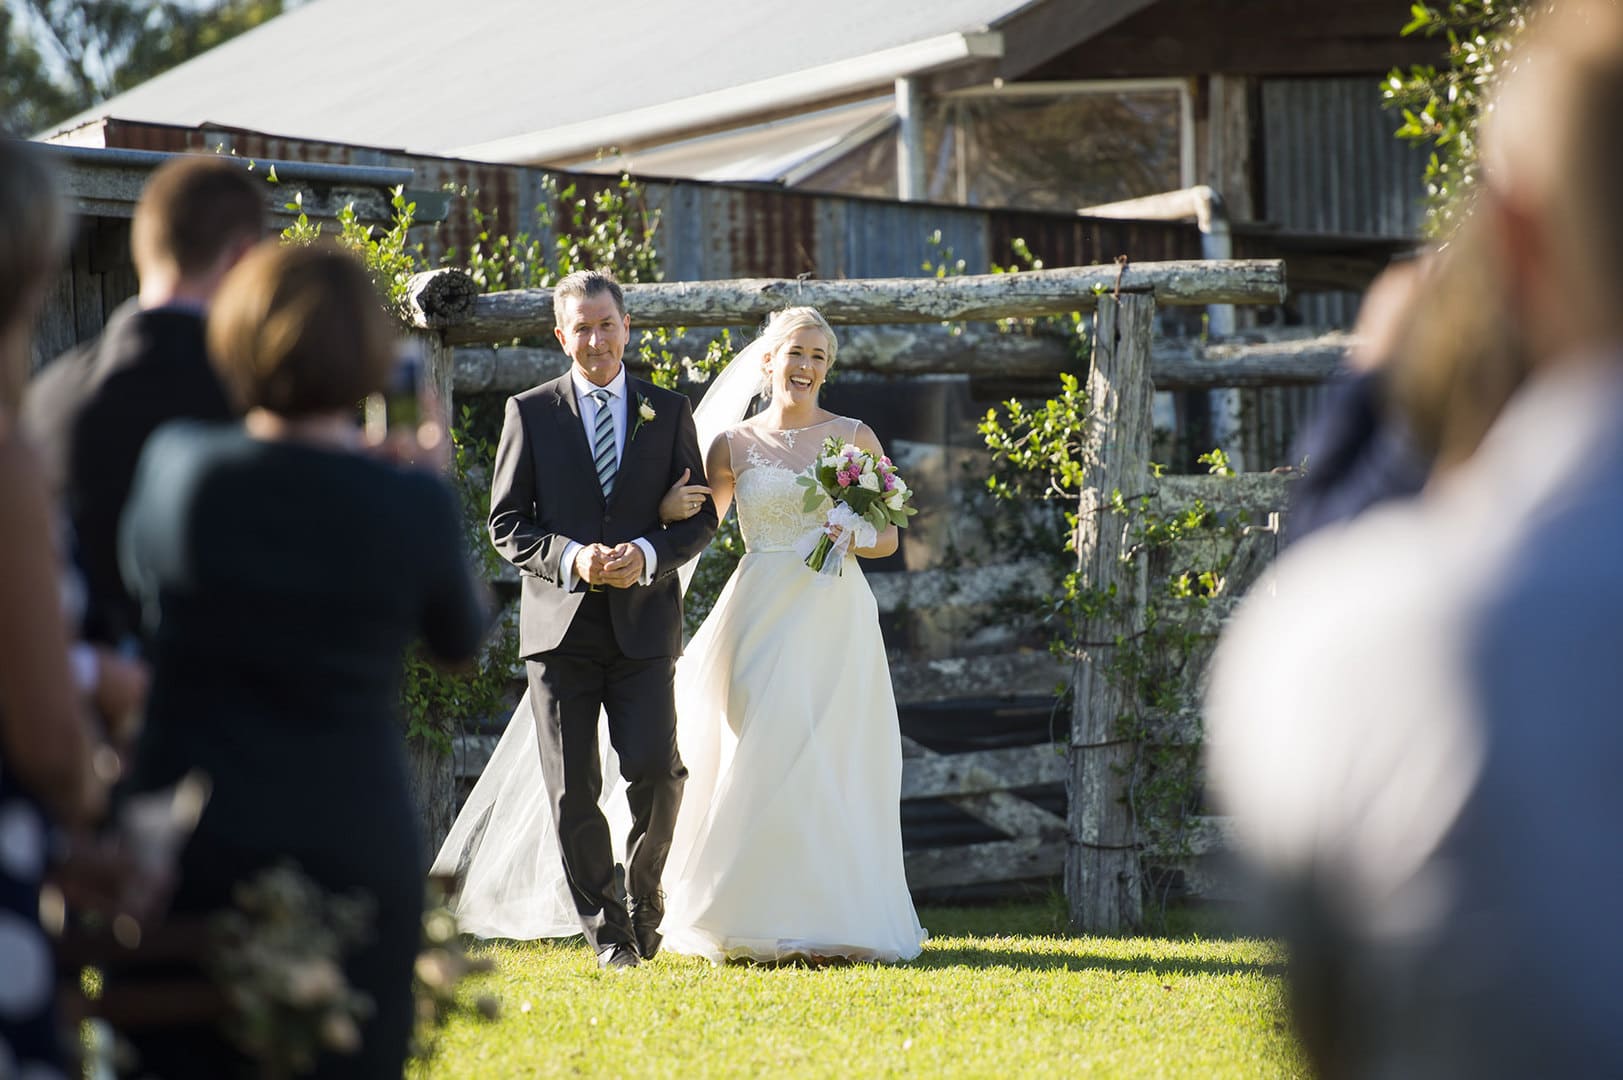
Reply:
x=713 y=231
x=1331 y=165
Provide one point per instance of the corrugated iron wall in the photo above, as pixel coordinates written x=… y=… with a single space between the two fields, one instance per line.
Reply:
x=713 y=231
x=1330 y=164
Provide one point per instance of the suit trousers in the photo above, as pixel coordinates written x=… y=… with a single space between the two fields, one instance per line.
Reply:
x=570 y=687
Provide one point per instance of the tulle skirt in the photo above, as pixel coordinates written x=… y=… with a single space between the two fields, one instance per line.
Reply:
x=788 y=842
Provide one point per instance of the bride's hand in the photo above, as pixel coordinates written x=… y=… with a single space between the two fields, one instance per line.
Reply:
x=683 y=500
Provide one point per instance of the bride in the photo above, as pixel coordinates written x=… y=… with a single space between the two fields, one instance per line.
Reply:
x=788 y=843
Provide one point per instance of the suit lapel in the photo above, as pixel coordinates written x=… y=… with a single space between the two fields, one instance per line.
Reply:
x=636 y=393
x=567 y=413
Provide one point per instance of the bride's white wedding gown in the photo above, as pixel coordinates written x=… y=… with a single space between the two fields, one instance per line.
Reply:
x=789 y=838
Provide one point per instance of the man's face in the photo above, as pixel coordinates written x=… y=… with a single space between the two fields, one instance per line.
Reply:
x=593 y=334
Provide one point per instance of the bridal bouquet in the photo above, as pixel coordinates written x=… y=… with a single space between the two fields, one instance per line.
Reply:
x=867 y=494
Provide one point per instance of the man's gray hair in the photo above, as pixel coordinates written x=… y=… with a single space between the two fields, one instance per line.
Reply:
x=582 y=284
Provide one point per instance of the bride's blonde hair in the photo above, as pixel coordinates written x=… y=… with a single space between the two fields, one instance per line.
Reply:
x=780 y=324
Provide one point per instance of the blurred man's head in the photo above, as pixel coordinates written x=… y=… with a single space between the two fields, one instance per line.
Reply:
x=300 y=331
x=1552 y=171
x=196 y=217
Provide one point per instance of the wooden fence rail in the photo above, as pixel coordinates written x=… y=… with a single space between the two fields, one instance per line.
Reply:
x=462 y=319
x=931 y=349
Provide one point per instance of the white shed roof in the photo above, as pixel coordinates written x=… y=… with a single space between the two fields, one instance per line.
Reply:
x=533 y=79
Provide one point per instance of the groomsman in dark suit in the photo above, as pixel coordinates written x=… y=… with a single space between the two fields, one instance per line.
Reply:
x=580 y=470
x=91 y=410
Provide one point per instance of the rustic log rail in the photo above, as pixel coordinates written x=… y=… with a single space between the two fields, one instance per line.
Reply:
x=521 y=313
x=923 y=348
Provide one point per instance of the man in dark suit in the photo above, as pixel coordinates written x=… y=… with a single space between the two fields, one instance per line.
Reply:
x=580 y=470
x=91 y=410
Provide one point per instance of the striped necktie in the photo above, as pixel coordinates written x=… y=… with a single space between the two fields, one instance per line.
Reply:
x=603 y=442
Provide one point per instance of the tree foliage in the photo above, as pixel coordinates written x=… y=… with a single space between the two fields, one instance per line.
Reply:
x=1440 y=107
x=63 y=56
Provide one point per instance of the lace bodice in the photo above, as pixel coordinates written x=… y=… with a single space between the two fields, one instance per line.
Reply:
x=766 y=464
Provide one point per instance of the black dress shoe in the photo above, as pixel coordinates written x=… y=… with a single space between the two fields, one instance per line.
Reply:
x=645 y=920
x=621 y=957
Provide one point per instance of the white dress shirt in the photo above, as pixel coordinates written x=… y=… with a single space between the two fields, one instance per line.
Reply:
x=618 y=412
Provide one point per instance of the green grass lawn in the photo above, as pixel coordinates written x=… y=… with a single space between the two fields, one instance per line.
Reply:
x=998 y=992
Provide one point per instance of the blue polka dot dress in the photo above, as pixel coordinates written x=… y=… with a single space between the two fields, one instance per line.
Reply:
x=29 y=1046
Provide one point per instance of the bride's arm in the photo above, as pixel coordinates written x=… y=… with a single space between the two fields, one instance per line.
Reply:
x=718 y=469
x=890 y=537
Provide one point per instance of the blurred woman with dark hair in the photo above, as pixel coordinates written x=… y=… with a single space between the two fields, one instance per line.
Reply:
x=282 y=571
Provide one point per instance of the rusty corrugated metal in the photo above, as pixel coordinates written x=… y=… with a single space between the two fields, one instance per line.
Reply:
x=713 y=231
x=1331 y=165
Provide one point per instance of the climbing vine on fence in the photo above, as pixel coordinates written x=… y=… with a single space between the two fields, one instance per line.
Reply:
x=1039 y=459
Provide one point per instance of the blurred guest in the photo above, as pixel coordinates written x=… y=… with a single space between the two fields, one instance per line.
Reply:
x=92 y=410
x=1356 y=451
x=1415 y=718
x=282 y=571
x=46 y=735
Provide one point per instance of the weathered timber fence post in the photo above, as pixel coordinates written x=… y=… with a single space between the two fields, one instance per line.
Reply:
x=1101 y=863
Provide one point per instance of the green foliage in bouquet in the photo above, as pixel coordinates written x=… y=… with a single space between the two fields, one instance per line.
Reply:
x=880 y=505
x=437 y=977
x=855 y=478
x=278 y=956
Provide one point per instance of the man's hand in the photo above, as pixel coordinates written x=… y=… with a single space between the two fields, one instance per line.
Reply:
x=624 y=566
x=618 y=567
x=591 y=561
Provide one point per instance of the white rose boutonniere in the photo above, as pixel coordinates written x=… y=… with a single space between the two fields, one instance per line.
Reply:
x=645 y=413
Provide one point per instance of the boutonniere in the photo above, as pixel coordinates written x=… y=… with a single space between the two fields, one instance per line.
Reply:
x=645 y=413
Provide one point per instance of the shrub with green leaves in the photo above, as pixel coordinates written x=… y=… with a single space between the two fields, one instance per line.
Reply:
x=1440 y=106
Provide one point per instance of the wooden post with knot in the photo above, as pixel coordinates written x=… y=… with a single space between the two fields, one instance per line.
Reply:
x=1102 y=885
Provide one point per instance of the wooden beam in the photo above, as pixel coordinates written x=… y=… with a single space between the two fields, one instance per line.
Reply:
x=522 y=313
x=981 y=771
x=924 y=348
x=1042 y=31
x=1257 y=494
x=1002 y=810
x=1192 y=365
x=973 y=864
x=1259 y=37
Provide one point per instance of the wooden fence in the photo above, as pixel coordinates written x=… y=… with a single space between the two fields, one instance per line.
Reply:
x=1097 y=844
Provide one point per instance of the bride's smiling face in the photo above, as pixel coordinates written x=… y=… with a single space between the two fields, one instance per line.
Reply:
x=797 y=367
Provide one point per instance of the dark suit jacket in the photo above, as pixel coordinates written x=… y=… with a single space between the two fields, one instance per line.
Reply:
x=91 y=411
x=544 y=493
